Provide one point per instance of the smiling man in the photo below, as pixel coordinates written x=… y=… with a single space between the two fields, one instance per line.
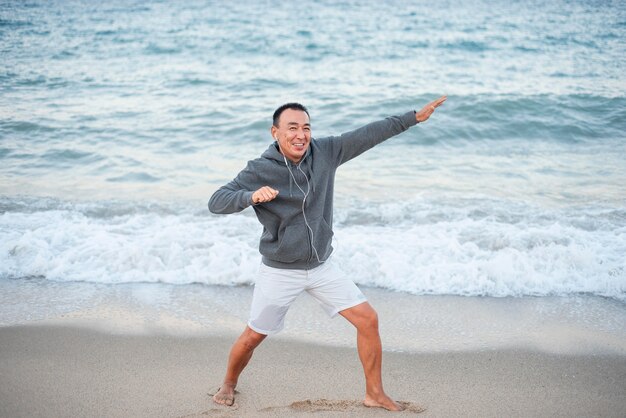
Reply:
x=291 y=190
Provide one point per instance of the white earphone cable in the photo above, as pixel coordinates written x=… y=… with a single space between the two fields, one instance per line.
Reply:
x=308 y=185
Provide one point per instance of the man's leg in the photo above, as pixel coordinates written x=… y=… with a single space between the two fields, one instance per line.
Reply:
x=365 y=319
x=274 y=291
x=240 y=355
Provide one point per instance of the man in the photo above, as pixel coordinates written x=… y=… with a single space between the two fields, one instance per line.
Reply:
x=291 y=190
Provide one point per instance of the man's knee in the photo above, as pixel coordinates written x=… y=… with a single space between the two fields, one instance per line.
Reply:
x=251 y=339
x=368 y=321
x=371 y=320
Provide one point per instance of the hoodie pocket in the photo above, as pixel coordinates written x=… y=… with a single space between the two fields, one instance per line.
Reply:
x=295 y=244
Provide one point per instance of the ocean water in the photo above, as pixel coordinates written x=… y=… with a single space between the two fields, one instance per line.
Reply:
x=118 y=121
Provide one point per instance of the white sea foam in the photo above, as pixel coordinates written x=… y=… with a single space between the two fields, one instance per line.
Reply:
x=425 y=246
x=137 y=247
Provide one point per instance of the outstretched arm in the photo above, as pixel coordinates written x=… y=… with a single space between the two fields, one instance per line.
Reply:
x=352 y=144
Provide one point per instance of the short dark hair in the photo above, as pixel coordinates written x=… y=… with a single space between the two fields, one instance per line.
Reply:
x=293 y=106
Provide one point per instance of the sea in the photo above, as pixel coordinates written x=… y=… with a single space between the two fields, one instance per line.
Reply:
x=119 y=119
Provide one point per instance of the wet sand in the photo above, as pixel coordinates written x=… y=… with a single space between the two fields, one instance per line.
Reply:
x=67 y=371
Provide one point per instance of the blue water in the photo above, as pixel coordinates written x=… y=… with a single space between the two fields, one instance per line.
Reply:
x=118 y=121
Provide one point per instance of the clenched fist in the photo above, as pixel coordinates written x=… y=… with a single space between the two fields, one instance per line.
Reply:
x=264 y=194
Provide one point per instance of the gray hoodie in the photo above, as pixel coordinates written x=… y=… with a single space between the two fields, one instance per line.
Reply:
x=286 y=241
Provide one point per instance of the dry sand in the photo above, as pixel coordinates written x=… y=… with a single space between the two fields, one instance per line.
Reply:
x=60 y=370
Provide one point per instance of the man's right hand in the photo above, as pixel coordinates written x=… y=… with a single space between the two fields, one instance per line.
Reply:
x=264 y=194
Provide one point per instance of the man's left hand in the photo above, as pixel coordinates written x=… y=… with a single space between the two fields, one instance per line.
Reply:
x=428 y=110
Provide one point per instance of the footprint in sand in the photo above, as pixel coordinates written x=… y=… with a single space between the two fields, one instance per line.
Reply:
x=341 y=405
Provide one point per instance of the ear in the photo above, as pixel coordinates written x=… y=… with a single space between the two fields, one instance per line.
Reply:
x=274 y=132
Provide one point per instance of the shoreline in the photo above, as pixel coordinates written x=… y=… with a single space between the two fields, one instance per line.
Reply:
x=64 y=370
x=408 y=323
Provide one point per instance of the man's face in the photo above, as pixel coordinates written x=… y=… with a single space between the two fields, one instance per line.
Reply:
x=293 y=134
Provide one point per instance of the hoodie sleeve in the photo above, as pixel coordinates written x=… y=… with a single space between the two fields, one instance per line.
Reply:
x=236 y=195
x=354 y=143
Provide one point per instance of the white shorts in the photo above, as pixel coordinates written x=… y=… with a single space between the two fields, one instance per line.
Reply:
x=276 y=289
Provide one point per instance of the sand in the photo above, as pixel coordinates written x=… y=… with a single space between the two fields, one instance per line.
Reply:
x=153 y=350
x=68 y=371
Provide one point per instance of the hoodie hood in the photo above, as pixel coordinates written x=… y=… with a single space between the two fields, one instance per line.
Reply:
x=273 y=153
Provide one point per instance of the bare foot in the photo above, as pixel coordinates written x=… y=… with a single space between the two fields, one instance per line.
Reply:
x=382 y=401
x=225 y=395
